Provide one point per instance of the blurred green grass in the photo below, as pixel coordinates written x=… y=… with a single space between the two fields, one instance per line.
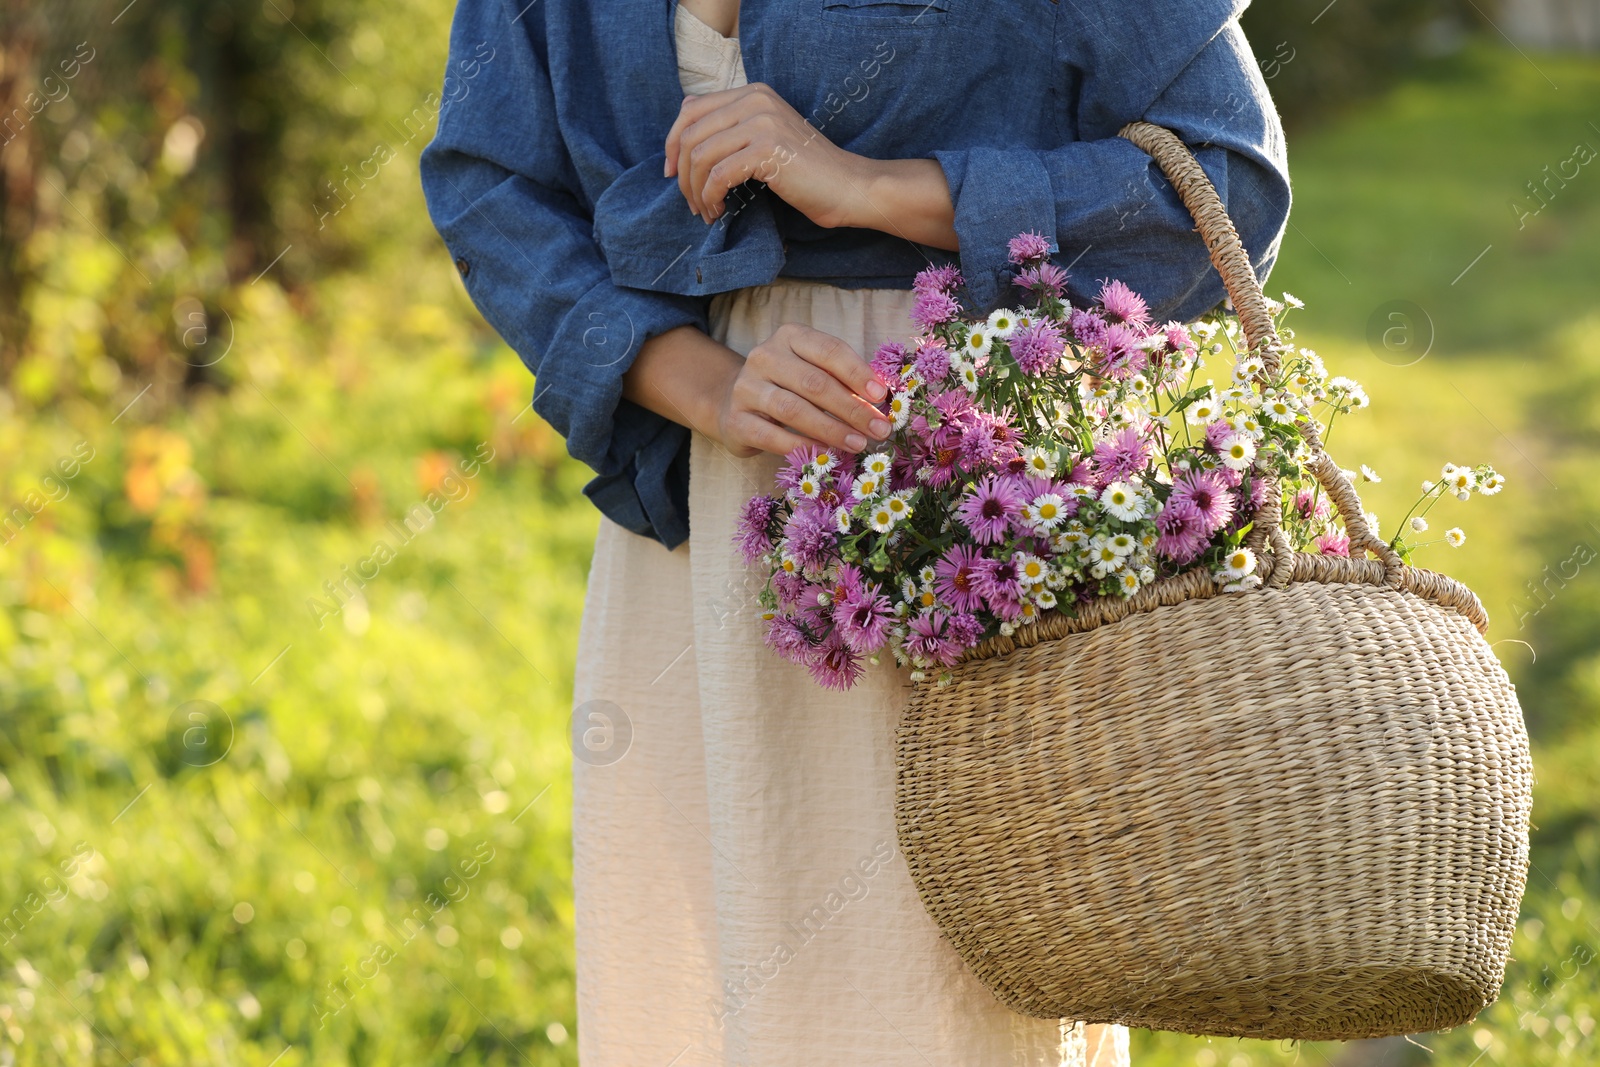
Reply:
x=229 y=888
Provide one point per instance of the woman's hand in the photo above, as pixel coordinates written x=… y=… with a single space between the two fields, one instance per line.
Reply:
x=723 y=139
x=801 y=386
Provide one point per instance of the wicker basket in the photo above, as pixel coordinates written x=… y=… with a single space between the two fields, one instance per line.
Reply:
x=1294 y=812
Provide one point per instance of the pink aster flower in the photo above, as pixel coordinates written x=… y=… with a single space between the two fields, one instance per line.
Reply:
x=888 y=361
x=988 y=509
x=934 y=308
x=786 y=637
x=1087 y=327
x=1123 y=304
x=1216 y=433
x=937 y=279
x=809 y=536
x=1046 y=278
x=933 y=363
x=1122 y=357
x=1209 y=496
x=1123 y=456
x=751 y=534
x=1037 y=348
x=863 y=618
x=996 y=581
x=1026 y=246
x=930 y=640
x=1334 y=544
x=833 y=665
x=1181 y=531
x=1309 y=504
x=965 y=629
x=954 y=577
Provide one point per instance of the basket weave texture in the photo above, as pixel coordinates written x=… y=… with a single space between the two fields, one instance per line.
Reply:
x=1295 y=812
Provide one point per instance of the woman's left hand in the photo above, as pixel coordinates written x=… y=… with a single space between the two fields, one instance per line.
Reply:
x=723 y=139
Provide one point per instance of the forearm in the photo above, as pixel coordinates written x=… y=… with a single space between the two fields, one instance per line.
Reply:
x=683 y=375
x=909 y=198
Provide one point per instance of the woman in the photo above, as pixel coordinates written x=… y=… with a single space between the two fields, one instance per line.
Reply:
x=694 y=278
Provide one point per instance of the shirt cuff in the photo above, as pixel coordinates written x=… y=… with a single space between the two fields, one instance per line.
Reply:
x=998 y=193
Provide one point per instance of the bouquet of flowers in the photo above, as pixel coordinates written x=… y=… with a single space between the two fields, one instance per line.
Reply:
x=1042 y=457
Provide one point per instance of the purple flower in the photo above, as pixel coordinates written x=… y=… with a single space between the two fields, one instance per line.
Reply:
x=1123 y=357
x=791 y=589
x=1334 y=544
x=888 y=360
x=929 y=640
x=833 y=665
x=751 y=533
x=937 y=279
x=1087 y=327
x=1026 y=246
x=1045 y=278
x=933 y=363
x=1178 y=338
x=1309 y=504
x=1037 y=348
x=1216 y=433
x=809 y=536
x=955 y=574
x=1181 y=531
x=786 y=637
x=1123 y=456
x=1123 y=304
x=933 y=308
x=863 y=618
x=965 y=629
x=996 y=581
x=988 y=509
x=1207 y=493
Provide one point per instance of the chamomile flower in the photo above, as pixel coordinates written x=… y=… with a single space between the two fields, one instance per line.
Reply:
x=967 y=375
x=1122 y=544
x=1123 y=501
x=1279 y=408
x=1045 y=599
x=1293 y=301
x=1002 y=322
x=1048 y=511
x=1419 y=524
x=900 y=409
x=899 y=504
x=877 y=464
x=1492 y=483
x=841 y=520
x=1202 y=411
x=1238 y=563
x=979 y=340
x=1238 y=452
x=1462 y=480
x=1369 y=475
x=1455 y=537
x=1031 y=570
x=866 y=486
x=808 y=486
x=1041 y=462
x=1105 y=558
x=1248 y=369
x=823 y=462
x=1128 y=584
x=881 y=518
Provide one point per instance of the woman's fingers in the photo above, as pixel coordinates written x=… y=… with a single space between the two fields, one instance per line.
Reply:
x=824 y=391
x=838 y=359
x=799 y=414
x=719 y=163
x=749 y=433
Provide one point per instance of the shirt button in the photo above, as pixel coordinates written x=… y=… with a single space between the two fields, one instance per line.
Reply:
x=463 y=266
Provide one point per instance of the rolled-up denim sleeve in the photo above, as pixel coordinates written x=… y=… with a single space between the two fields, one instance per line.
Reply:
x=1104 y=200
x=500 y=188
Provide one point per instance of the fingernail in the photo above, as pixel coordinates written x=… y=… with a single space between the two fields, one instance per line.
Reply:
x=879 y=428
x=666 y=167
x=877 y=390
x=855 y=442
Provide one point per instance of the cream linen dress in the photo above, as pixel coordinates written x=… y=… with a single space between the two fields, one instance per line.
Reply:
x=740 y=896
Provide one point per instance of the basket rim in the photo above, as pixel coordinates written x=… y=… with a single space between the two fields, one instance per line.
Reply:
x=1440 y=589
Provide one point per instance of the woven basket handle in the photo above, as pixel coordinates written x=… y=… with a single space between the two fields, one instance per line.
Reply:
x=1261 y=338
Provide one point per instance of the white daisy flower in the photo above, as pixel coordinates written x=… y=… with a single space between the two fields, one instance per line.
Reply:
x=1031 y=570
x=1463 y=480
x=1249 y=581
x=824 y=462
x=1123 y=501
x=1248 y=368
x=908 y=590
x=1045 y=599
x=1368 y=474
x=927 y=575
x=1293 y=301
x=900 y=409
x=979 y=340
x=1129 y=584
x=1455 y=537
x=1238 y=563
x=1238 y=452
x=1002 y=322
x=1048 y=510
x=1122 y=544
x=1041 y=462
x=1492 y=483
x=1427 y=487
x=1147 y=575
x=1419 y=524
x=1279 y=408
x=1202 y=411
x=967 y=375
x=1105 y=558
x=808 y=487
x=882 y=519
x=899 y=504
x=866 y=486
x=878 y=463
x=841 y=520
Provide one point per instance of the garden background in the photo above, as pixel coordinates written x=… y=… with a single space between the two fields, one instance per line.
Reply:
x=234 y=355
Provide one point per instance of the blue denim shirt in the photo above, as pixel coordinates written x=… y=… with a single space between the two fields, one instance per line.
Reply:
x=545 y=176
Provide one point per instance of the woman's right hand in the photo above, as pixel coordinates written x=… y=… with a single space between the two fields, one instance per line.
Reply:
x=799 y=387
